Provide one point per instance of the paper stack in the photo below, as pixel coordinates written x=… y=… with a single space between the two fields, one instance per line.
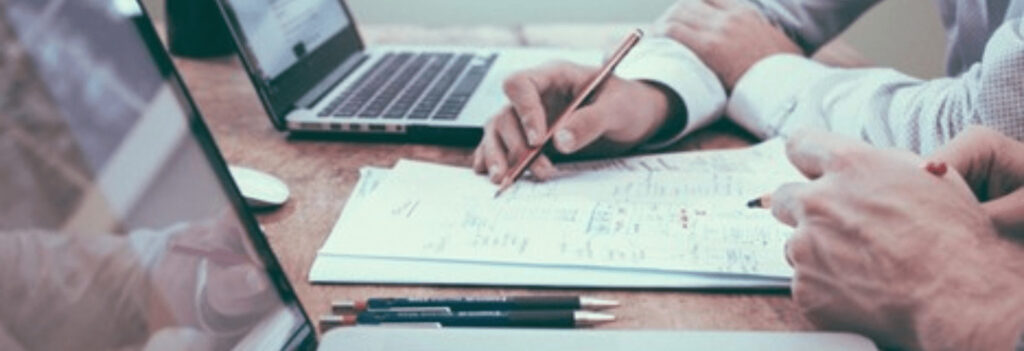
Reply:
x=660 y=221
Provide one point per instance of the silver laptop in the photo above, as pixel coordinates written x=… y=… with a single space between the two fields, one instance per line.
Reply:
x=315 y=75
x=121 y=229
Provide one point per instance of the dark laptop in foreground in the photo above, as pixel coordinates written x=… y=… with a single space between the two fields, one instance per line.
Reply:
x=121 y=229
x=315 y=75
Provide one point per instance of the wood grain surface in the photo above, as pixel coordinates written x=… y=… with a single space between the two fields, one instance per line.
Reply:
x=321 y=175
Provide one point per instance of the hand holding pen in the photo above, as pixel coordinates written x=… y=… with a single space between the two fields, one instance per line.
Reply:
x=620 y=115
x=596 y=82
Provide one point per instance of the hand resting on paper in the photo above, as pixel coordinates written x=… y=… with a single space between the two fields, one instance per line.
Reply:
x=884 y=248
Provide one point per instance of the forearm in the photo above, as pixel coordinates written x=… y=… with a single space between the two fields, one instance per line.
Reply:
x=881 y=106
x=783 y=93
x=695 y=95
x=812 y=23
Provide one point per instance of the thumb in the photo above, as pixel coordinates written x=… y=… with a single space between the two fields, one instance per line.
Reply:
x=786 y=204
x=580 y=129
x=1007 y=213
x=991 y=163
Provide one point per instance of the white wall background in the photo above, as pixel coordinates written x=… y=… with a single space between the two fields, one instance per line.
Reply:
x=905 y=34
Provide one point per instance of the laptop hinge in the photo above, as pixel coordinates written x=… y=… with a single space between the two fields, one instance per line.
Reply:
x=332 y=79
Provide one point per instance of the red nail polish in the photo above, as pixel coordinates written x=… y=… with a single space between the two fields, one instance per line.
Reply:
x=936 y=168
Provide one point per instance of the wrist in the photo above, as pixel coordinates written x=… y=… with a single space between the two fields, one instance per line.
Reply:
x=670 y=112
x=997 y=323
x=1001 y=327
x=1005 y=329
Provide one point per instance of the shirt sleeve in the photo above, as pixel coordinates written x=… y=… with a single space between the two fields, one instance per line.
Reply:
x=812 y=23
x=785 y=92
x=672 y=65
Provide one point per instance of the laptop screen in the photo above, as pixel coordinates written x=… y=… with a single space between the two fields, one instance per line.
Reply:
x=287 y=30
x=118 y=227
x=289 y=47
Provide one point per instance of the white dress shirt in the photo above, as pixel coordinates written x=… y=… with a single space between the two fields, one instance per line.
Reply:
x=782 y=93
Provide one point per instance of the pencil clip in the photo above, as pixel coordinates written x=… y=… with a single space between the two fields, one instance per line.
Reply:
x=429 y=309
x=405 y=325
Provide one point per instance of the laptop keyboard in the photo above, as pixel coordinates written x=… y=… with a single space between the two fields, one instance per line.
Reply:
x=424 y=86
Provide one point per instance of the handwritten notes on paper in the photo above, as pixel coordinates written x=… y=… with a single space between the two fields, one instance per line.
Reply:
x=675 y=212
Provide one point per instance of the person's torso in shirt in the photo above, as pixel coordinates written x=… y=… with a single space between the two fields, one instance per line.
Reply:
x=969 y=24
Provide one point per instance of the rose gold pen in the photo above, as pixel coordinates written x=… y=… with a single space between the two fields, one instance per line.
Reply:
x=602 y=76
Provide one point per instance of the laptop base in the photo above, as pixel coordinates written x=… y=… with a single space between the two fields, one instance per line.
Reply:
x=448 y=136
x=496 y=339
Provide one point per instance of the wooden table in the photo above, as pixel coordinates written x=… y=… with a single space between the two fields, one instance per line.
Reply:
x=322 y=174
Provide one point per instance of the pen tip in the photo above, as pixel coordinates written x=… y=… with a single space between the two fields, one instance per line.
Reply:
x=330 y=321
x=505 y=184
x=765 y=201
x=346 y=305
x=597 y=304
x=587 y=318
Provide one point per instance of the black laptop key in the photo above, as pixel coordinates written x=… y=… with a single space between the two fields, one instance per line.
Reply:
x=366 y=91
x=418 y=87
x=441 y=87
x=460 y=95
x=335 y=107
x=419 y=114
x=399 y=81
x=331 y=107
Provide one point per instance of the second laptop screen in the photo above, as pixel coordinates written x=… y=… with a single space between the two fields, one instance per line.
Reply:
x=280 y=32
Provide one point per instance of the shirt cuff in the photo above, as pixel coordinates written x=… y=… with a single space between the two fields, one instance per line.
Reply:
x=670 y=64
x=767 y=95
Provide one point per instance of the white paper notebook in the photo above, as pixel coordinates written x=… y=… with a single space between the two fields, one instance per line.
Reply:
x=663 y=214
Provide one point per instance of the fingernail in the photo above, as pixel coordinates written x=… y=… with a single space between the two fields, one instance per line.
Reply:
x=936 y=168
x=565 y=140
x=493 y=171
x=532 y=137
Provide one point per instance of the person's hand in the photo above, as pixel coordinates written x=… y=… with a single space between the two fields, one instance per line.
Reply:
x=622 y=114
x=884 y=248
x=210 y=276
x=993 y=165
x=730 y=36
